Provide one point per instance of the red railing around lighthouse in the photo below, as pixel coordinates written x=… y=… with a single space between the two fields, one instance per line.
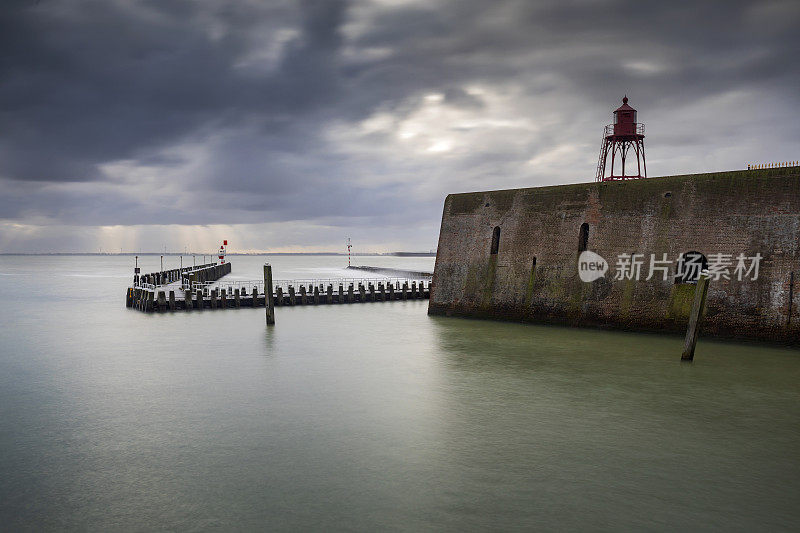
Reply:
x=615 y=129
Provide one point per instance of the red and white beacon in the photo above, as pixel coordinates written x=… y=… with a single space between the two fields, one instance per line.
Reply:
x=222 y=250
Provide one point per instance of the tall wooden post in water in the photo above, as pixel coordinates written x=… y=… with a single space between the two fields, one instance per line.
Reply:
x=700 y=292
x=269 y=303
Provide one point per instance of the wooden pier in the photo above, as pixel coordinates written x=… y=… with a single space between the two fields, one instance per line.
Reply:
x=150 y=291
x=196 y=288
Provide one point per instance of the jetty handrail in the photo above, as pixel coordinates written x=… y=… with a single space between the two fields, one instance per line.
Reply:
x=343 y=281
x=225 y=284
x=249 y=284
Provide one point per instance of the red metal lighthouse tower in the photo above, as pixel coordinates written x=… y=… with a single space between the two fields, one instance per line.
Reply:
x=623 y=136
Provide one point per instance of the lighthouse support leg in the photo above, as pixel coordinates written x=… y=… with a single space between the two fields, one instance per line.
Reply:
x=644 y=161
x=638 y=161
x=613 y=156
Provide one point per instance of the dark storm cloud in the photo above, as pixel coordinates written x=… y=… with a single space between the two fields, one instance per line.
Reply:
x=125 y=112
x=99 y=81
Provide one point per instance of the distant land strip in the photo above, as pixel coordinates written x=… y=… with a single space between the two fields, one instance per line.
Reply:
x=354 y=254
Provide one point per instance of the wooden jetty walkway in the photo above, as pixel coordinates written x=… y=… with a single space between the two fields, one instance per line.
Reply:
x=197 y=288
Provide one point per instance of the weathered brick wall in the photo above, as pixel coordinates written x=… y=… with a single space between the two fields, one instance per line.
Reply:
x=534 y=276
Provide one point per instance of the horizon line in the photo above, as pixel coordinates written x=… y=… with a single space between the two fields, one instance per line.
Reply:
x=227 y=254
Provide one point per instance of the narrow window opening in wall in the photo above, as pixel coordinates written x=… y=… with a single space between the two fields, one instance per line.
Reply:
x=495 y=240
x=689 y=266
x=583 y=240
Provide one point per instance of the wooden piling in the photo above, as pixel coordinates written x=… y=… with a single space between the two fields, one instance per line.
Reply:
x=329 y=299
x=341 y=294
x=292 y=299
x=224 y=301
x=350 y=296
x=279 y=296
x=162 y=301
x=316 y=295
x=237 y=301
x=171 y=300
x=405 y=290
x=255 y=297
x=198 y=303
x=361 y=293
x=269 y=303
x=700 y=292
x=303 y=299
x=789 y=305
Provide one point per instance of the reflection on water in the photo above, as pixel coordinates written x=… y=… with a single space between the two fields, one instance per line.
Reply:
x=373 y=416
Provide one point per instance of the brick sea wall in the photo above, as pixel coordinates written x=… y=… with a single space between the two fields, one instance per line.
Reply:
x=534 y=274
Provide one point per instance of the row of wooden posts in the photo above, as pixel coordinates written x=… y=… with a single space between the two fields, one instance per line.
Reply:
x=315 y=295
x=205 y=275
x=145 y=296
x=160 y=300
x=148 y=300
x=199 y=273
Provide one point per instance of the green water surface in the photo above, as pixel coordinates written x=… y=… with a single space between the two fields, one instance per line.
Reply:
x=372 y=417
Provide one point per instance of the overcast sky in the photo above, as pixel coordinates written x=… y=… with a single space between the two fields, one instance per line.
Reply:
x=290 y=125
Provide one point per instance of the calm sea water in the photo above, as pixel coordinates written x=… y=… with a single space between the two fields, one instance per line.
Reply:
x=372 y=417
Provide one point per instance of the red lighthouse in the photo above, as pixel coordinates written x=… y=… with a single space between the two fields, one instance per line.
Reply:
x=622 y=138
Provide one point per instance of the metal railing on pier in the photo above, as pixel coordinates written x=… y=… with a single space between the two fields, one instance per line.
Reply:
x=246 y=286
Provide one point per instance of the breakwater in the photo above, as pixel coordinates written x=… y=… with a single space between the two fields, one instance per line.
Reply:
x=286 y=293
x=628 y=255
x=394 y=271
x=157 y=290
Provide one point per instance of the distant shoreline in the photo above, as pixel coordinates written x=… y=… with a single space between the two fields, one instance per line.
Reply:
x=390 y=254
